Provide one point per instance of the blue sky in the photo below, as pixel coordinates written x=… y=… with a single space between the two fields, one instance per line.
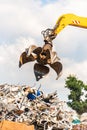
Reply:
x=48 y=1
x=21 y=23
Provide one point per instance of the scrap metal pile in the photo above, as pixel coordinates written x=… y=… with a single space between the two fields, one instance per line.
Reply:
x=33 y=107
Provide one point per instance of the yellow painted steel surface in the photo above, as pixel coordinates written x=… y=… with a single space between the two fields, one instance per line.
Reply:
x=69 y=19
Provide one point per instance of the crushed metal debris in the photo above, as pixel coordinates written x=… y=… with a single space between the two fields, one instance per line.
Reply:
x=31 y=106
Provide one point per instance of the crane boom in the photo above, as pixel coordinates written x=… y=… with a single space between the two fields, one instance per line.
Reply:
x=69 y=19
x=62 y=22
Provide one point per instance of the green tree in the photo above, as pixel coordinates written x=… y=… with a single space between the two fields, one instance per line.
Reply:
x=76 y=86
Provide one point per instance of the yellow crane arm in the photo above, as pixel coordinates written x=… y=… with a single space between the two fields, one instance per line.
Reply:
x=69 y=19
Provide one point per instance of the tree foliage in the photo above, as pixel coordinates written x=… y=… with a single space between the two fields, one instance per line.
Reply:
x=76 y=86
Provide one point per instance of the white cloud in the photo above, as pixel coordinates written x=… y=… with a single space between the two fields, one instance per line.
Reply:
x=75 y=68
x=9 y=60
x=21 y=23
